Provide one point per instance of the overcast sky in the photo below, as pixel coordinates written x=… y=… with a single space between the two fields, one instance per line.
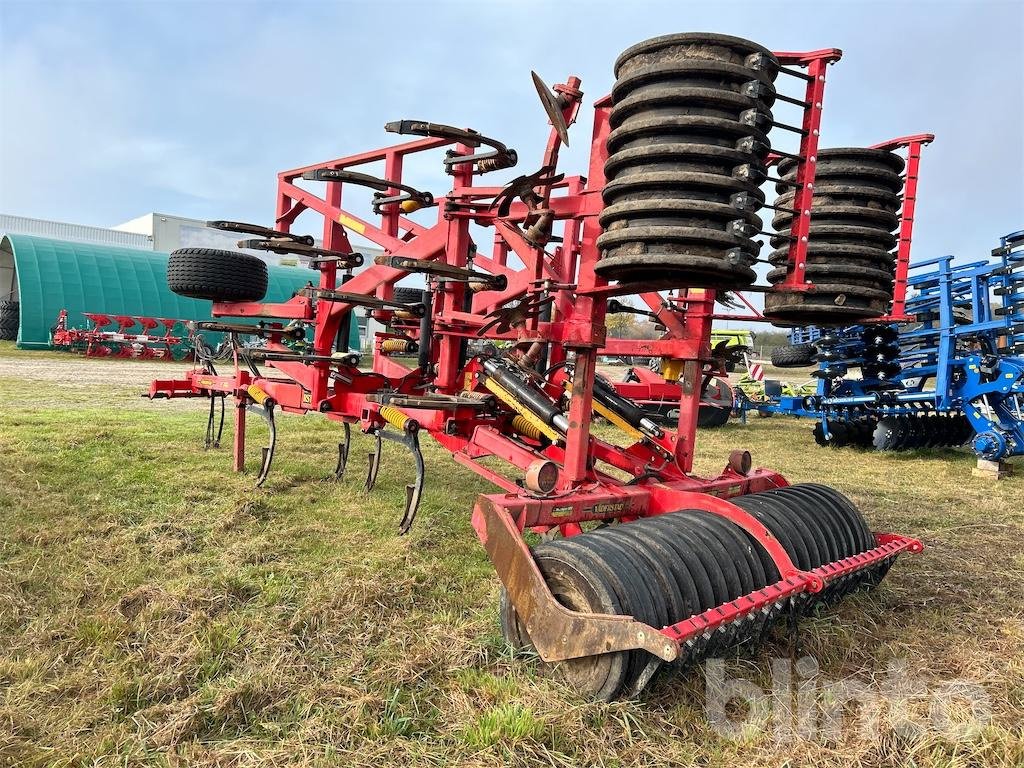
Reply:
x=113 y=109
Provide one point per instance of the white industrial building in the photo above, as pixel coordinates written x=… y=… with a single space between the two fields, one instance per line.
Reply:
x=167 y=233
x=75 y=233
x=152 y=231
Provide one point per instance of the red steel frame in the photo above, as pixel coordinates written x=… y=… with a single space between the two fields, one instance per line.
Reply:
x=913 y=145
x=661 y=467
x=816 y=63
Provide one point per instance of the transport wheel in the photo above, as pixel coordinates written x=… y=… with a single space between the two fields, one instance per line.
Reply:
x=405 y=295
x=793 y=356
x=216 y=275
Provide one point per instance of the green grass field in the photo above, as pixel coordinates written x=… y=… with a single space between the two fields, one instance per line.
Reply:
x=156 y=609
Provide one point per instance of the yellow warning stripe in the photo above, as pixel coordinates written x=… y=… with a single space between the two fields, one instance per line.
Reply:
x=618 y=421
x=350 y=223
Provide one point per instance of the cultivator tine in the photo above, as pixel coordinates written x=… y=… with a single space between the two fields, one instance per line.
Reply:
x=413 y=491
x=343 y=453
x=267 y=458
x=374 y=465
x=409 y=437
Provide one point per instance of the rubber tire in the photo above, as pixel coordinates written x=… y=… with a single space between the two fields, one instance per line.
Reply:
x=793 y=356
x=712 y=416
x=405 y=295
x=216 y=275
x=9 y=320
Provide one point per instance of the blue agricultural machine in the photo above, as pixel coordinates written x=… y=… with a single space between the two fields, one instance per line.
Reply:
x=950 y=375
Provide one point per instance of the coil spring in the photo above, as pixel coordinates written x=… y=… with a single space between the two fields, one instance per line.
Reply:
x=397 y=419
x=525 y=427
x=397 y=346
x=257 y=394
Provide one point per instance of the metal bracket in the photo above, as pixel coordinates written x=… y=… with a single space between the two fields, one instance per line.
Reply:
x=478 y=401
x=256 y=329
x=244 y=228
x=445 y=271
x=363 y=300
x=412 y=200
x=556 y=632
x=501 y=156
x=523 y=187
x=504 y=319
x=317 y=255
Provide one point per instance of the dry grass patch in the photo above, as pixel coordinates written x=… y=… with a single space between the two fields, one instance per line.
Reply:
x=155 y=609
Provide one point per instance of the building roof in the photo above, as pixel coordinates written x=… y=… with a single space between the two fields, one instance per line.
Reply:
x=79 y=233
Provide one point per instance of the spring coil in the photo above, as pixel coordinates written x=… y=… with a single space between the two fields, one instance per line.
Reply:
x=525 y=427
x=398 y=346
x=257 y=394
x=397 y=419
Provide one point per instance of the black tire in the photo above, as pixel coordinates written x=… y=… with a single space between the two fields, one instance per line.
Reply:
x=408 y=295
x=209 y=273
x=9 y=320
x=793 y=356
x=712 y=416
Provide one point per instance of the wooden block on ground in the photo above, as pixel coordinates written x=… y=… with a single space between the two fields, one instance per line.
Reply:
x=992 y=470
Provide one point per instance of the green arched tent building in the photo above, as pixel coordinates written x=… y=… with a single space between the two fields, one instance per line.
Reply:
x=47 y=275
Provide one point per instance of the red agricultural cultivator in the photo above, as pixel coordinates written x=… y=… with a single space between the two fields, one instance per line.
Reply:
x=125 y=336
x=644 y=562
